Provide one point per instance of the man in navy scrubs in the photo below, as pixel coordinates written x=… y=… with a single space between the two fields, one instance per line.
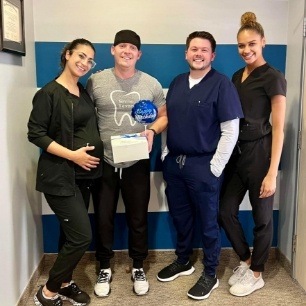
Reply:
x=203 y=122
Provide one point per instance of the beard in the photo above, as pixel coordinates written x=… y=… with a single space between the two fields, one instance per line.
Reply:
x=204 y=67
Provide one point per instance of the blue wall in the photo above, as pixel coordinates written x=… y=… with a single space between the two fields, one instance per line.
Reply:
x=161 y=61
x=161 y=231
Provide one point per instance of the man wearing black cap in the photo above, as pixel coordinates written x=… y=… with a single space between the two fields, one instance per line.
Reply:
x=115 y=91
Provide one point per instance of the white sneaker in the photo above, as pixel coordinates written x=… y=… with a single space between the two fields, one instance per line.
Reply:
x=102 y=286
x=238 y=272
x=247 y=284
x=141 y=284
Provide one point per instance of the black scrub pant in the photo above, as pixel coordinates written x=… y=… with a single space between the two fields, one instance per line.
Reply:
x=134 y=184
x=193 y=191
x=72 y=214
x=245 y=172
x=87 y=187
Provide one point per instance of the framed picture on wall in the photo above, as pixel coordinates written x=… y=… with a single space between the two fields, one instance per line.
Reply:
x=12 y=37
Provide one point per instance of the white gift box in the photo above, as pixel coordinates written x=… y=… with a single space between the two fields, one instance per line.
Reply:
x=129 y=147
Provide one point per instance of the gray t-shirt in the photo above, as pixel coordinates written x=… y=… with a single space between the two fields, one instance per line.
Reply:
x=115 y=98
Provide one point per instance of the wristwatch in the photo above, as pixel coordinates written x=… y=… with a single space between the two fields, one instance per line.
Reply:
x=153 y=131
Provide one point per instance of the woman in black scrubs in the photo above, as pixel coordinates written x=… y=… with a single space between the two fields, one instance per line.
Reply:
x=63 y=124
x=254 y=165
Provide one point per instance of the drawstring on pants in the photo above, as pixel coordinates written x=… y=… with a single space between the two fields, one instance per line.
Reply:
x=181 y=160
x=120 y=172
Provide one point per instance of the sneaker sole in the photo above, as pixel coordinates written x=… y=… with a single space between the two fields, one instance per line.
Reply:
x=36 y=301
x=205 y=296
x=73 y=302
x=102 y=296
x=105 y=295
x=184 y=273
x=259 y=286
x=140 y=294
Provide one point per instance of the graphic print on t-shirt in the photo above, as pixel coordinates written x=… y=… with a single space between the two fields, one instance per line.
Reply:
x=123 y=103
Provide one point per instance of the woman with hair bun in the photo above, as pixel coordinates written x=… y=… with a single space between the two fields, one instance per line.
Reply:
x=254 y=165
x=63 y=124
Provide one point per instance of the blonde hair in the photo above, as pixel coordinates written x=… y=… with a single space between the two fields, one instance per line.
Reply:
x=248 y=22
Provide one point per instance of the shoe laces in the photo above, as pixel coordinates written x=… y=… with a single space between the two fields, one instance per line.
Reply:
x=103 y=277
x=240 y=270
x=75 y=288
x=174 y=266
x=57 y=301
x=139 y=275
x=247 y=278
x=205 y=282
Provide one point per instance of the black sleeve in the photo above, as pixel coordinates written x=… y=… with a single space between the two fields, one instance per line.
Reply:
x=39 y=120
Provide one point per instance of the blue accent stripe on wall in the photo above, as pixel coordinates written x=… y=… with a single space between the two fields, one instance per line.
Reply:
x=161 y=61
x=161 y=231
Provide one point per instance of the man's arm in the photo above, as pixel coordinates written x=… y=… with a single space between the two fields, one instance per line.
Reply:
x=227 y=142
x=158 y=125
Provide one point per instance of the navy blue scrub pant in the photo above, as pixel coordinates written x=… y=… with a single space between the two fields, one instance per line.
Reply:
x=193 y=191
x=72 y=214
x=134 y=184
x=245 y=172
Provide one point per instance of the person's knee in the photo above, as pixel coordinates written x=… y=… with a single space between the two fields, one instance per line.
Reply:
x=223 y=216
x=83 y=240
x=87 y=239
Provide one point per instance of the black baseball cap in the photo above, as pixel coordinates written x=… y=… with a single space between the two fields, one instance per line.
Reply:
x=127 y=36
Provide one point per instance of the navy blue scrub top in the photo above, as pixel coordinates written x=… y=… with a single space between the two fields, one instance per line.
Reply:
x=194 y=115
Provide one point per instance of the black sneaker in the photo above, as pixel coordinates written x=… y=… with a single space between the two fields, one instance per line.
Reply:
x=203 y=287
x=174 y=270
x=74 y=295
x=40 y=300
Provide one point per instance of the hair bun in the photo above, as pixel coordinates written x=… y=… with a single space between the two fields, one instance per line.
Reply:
x=248 y=18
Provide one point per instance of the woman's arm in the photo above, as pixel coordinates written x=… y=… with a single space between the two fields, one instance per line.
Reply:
x=79 y=157
x=268 y=185
x=38 y=126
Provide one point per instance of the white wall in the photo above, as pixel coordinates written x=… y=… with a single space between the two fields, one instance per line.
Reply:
x=20 y=218
x=157 y=21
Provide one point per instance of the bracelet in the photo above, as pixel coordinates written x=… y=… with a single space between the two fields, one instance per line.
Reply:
x=153 y=131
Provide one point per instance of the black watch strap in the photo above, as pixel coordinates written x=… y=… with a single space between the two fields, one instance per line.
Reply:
x=153 y=131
